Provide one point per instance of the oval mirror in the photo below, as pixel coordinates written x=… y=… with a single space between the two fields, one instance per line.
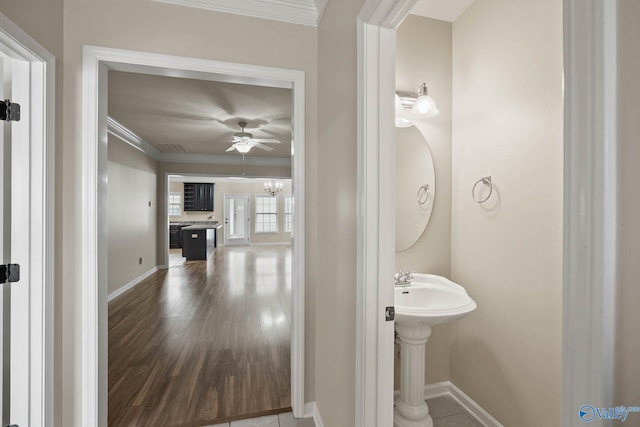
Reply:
x=415 y=186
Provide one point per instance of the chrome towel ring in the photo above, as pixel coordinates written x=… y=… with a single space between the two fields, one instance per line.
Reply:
x=423 y=194
x=486 y=180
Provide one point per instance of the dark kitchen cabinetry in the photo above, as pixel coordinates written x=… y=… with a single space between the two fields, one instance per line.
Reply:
x=175 y=236
x=198 y=196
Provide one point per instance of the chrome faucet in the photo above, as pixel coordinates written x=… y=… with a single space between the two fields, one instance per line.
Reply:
x=403 y=278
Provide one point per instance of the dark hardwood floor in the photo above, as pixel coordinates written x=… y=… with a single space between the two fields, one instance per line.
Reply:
x=203 y=342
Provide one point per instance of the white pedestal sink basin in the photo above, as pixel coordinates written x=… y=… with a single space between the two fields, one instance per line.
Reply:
x=429 y=300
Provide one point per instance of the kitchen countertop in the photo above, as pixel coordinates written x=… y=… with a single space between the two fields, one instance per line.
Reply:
x=202 y=226
x=193 y=223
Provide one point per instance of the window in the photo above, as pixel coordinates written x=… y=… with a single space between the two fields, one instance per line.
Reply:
x=288 y=214
x=175 y=204
x=266 y=214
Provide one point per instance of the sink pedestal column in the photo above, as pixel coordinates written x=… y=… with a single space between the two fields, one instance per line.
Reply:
x=411 y=410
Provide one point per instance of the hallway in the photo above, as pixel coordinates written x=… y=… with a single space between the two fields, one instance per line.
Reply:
x=204 y=342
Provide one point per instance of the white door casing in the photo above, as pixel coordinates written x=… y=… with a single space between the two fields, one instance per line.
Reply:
x=31 y=229
x=237 y=219
x=96 y=62
x=376 y=186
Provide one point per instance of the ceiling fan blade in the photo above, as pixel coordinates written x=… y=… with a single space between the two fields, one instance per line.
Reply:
x=231 y=148
x=266 y=140
x=264 y=147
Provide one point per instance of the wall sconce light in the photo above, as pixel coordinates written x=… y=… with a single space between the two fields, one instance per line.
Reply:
x=424 y=106
x=420 y=105
x=272 y=188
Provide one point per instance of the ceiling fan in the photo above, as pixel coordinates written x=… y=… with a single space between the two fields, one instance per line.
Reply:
x=244 y=141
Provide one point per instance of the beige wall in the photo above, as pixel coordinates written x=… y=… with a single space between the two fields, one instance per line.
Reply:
x=424 y=55
x=132 y=222
x=627 y=379
x=336 y=189
x=162 y=28
x=250 y=188
x=507 y=123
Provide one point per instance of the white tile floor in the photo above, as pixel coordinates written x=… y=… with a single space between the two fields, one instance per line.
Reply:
x=281 y=420
x=445 y=411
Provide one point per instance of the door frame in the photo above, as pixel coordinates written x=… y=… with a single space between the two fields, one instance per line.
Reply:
x=248 y=197
x=590 y=60
x=38 y=298
x=96 y=62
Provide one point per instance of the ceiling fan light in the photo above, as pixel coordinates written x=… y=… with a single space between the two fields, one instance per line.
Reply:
x=243 y=148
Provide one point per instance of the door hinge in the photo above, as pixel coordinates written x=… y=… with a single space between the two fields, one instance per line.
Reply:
x=390 y=313
x=9 y=273
x=9 y=111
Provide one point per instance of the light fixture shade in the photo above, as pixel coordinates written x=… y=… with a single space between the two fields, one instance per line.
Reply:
x=424 y=106
x=243 y=148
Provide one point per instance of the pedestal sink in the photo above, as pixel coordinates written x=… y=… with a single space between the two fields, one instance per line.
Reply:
x=428 y=301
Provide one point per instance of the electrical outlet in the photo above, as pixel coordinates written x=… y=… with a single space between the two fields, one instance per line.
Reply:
x=140 y=261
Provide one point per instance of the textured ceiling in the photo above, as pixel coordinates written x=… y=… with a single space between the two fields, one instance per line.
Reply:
x=199 y=116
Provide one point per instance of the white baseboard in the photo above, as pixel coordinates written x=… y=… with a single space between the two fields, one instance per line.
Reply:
x=476 y=411
x=431 y=391
x=311 y=411
x=132 y=283
x=447 y=388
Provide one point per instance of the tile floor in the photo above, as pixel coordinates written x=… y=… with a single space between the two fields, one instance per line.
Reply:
x=445 y=411
x=281 y=420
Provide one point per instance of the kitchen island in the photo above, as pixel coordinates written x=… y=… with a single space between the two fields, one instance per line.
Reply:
x=198 y=238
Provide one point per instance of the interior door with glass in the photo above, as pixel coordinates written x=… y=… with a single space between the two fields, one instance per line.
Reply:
x=237 y=219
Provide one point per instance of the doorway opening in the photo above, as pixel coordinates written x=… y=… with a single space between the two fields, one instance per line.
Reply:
x=97 y=63
x=589 y=40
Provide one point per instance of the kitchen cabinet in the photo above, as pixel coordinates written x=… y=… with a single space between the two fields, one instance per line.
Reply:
x=175 y=236
x=198 y=196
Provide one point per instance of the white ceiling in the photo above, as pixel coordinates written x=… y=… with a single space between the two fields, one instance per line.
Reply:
x=444 y=10
x=198 y=116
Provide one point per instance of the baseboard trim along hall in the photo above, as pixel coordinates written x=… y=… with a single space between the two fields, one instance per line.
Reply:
x=132 y=283
x=447 y=388
x=311 y=411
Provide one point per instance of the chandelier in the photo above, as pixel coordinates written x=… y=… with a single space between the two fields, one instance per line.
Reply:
x=272 y=188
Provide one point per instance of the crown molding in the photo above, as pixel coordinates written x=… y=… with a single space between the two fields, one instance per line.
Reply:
x=303 y=12
x=121 y=132
x=222 y=159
